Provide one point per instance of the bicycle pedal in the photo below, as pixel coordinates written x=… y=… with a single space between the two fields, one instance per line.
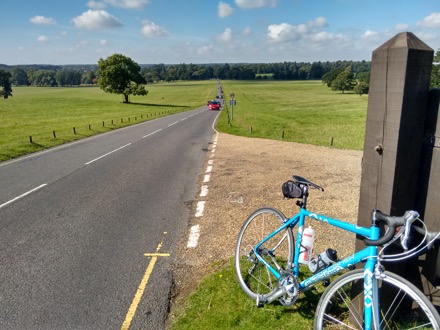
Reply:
x=326 y=283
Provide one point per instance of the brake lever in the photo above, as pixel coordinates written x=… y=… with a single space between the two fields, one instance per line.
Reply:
x=410 y=217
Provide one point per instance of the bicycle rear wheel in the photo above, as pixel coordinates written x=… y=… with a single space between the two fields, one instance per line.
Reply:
x=254 y=277
x=402 y=305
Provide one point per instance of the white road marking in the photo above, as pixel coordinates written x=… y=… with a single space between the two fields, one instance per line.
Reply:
x=151 y=133
x=200 y=209
x=206 y=178
x=204 y=191
x=108 y=153
x=193 y=236
x=172 y=124
x=209 y=169
x=23 y=195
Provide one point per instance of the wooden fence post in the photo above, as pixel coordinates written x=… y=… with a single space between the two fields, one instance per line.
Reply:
x=397 y=102
x=428 y=196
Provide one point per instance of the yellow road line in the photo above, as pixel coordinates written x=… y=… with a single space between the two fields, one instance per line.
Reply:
x=140 y=291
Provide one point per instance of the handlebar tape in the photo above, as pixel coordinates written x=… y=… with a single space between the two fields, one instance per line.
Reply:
x=392 y=223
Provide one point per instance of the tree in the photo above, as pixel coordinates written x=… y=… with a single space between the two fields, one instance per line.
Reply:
x=5 y=83
x=328 y=77
x=19 y=77
x=361 y=88
x=344 y=81
x=119 y=74
x=435 y=74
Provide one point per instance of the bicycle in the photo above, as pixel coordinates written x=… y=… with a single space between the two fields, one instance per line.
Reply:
x=267 y=266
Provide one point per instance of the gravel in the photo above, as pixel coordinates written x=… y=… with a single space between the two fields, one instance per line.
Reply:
x=247 y=174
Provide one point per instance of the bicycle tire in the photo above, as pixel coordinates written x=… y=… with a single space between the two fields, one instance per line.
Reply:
x=253 y=276
x=336 y=304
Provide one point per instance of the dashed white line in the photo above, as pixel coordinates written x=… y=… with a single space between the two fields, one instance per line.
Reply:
x=172 y=124
x=200 y=209
x=209 y=169
x=194 y=235
x=23 y=195
x=204 y=191
x=108 y=153
x=206 y=178
x=145 y=136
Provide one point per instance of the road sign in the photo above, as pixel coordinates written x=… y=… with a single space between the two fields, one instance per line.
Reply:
x=232 y=95
x=232 y=102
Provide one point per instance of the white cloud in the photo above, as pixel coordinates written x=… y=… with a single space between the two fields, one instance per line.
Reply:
x=308 y=37
x=285 y=32
x=96 y=5
x=96 y=19
x=224 y=10
x=251 y=4
x=431 y=21
x=319 y=21
x=247 y=31
x=151 y=29
x=103 y=42
x=43 y=39
x=41 y=20
x=401 y=27
x=205 y=50
x=226 y=36
x=128 y=4
x=370 y=33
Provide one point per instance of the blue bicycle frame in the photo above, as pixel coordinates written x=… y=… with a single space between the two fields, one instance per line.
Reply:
x=368 y=254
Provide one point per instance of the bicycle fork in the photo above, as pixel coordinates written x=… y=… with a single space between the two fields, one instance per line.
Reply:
x=371 y=294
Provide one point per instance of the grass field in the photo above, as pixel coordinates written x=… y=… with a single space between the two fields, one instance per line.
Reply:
x=306 y=112
x=40 y=111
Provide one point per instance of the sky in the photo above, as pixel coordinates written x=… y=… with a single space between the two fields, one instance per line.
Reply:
x=208 y=31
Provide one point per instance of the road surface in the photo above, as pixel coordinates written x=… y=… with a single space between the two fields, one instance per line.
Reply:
x=88 y=229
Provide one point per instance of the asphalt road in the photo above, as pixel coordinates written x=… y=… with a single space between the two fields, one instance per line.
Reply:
x=88 y=230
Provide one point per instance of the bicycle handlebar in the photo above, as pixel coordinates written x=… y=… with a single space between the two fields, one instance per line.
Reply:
x=392 y=222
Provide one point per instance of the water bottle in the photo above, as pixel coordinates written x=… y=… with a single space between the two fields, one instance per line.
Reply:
x=305 y=252
x=323 y=260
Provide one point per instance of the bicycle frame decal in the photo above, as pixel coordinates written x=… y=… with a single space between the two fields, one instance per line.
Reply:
x=368 y=288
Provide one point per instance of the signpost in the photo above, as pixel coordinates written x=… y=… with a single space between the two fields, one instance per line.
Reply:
x=232 y=103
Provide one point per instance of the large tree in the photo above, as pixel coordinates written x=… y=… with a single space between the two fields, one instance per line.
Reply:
x=344 y=81
x=5 y=83
x=119 y=74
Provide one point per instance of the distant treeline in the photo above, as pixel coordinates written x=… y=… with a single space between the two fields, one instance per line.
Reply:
x=75 y=75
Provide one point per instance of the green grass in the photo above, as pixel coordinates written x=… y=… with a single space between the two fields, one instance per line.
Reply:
x=306 y=112
x=219 y=303
x=39 y=111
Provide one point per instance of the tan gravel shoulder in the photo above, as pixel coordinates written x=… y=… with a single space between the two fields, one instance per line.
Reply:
x=247 y=174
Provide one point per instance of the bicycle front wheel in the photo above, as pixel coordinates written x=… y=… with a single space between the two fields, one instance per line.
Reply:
x=402 y=305
x=253 y=276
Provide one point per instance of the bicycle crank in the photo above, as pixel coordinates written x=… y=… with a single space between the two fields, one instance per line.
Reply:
x=289 y=285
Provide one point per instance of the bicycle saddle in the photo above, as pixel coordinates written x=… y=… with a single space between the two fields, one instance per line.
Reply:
x=302 y=180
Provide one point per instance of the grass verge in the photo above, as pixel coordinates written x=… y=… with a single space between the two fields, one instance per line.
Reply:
x=219 y=303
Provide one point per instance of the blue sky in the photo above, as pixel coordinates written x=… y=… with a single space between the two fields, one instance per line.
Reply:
x=208 y=31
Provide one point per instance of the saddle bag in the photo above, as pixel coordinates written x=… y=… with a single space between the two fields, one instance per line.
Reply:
x=292 y=189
